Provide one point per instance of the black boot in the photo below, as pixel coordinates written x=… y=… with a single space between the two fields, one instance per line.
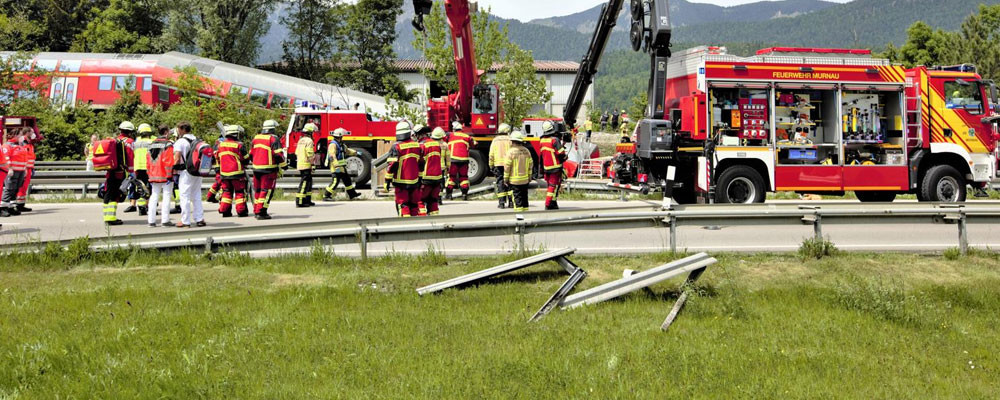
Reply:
x=143 y=210
x=114 y=223
x=22 y=208
x=5 y=212
x=130 y=209
x=353 y=195
x=465 y=194
x=447 y=193
x=328 y=197
x=262 y=216
x=13 y=211
x=503 y=203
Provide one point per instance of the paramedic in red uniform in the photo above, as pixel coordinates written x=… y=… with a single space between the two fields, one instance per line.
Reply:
x=30 y=140
x=232 y=158
x=405 y=164
x=267 y=159
x=459 y=144
x=553 y=155
x=17 y=160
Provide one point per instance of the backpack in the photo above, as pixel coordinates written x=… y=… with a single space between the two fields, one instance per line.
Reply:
x=200 y=159
x=106 y=155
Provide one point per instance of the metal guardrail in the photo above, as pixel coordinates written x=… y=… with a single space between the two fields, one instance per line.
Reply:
x=363 y=232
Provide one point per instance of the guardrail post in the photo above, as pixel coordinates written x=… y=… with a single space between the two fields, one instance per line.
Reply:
x=85 y=187
x=363 y=242
x=209 y=245
x=963 y=233
x=673 y=233
x=816 y=219
x=520 y=228
x=621 y=194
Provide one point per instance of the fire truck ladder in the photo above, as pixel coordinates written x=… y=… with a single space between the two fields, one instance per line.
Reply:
x=914 y=123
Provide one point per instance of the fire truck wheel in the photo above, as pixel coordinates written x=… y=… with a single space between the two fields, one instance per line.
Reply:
x=360 y=166
x=477 y=167
x=876 y=197
x=943 y=183
x=740 y=184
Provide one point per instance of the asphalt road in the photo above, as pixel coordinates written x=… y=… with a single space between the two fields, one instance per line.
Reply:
x=66 y=221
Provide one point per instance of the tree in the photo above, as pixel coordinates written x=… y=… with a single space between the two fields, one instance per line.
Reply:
x=55 y=23
x=225 y=30
x=311 y=25
x=520 y=87
x=979 y=41
x=124 y=26
x=926 y=46
x=17 y=32
x=367 y=56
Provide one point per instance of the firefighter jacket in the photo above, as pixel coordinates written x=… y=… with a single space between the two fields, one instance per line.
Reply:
x=232 y=158
x=266 y=153
x=553 y=153
x=304 y=152
x=139 y=150
x=435 y=165
x=498 y=150
x=160 y=160
x=405 y=164
x=459 y=145
x=517 y=167
x=338 y=152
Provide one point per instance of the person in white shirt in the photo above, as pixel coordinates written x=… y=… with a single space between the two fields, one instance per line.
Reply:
x=189 y=185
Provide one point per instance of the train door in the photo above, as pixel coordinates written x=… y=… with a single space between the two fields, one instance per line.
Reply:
x=63 y=90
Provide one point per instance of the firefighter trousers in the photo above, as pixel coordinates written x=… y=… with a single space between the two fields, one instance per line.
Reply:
x=338 y=178
x=213 y=192
x=406 y=201
x=263 y=191
x=458 y=174
x=554 y=182
x=233 y=196
x=520 y=194
x=112 y=195
x=504 y=192
x=431 y=197
x=304 y=197
x=141 y=197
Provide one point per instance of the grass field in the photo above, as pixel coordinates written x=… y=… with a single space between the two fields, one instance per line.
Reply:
x=143 y=325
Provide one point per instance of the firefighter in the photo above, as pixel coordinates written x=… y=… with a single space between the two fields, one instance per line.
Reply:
x=517 y=170
x=498 y=155
x=434 y=150
x=213 y=192
x=4 y=164
x=338 y=153
x=115 y=177
x=624 y=134
x=160 y=167
x=17 y=158
x=268 y=160
x=232 y=159
x=553 y=155
x=30 y=140
x=140 y=195
x=459 y=146
x=405 y=164
x=304 y=152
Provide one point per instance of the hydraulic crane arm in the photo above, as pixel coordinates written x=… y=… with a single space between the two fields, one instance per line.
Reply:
x=460 y=22
x=591 y=60
x=654 y=24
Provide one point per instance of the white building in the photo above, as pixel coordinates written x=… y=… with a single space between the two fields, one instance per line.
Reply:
x=558 y=75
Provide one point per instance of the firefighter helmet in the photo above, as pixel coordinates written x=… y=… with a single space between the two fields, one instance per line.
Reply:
x=548 y=128
x=403 y=131
x=270 y=126
x=145 y=128
x=438 y=133
x=517 y=136
x=418 y=130
x=504 y=129
x=456 y=126
x=232 y=130
x=126 y=126
x=340 y=132
x=310 y=128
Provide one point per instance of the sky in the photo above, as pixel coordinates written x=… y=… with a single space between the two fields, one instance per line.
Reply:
x=526 y=10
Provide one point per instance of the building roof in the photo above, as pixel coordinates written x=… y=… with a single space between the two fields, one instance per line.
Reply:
x=409 y=65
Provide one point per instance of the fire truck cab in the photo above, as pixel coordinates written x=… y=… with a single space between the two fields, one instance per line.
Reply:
x=365 y=134
x=820 y=121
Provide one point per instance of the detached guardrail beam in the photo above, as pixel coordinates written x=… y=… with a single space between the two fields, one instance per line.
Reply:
x=498 y=270
x=638 y=281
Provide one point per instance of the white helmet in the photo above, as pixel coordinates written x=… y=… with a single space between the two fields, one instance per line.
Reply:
x=126 y=126
x=310 y=128
x=403 y=131
x=504 y=129
x=517 y=136
x=438 y=133
x=232 y=130
x=340 y=132
x=456 y=126
x=270 y=125
x=548 y=128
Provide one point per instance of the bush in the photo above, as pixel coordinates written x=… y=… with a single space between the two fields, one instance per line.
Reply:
x=816 y=248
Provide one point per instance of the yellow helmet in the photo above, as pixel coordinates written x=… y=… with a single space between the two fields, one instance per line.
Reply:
x=126 y=126
x=145 y=128
x=504 y=129
x=438 y=133
x=340 y=132
x=517 y=136
x=310 y=128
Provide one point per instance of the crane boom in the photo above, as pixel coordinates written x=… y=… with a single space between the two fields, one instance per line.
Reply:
x=463 y=49
x=591 y=60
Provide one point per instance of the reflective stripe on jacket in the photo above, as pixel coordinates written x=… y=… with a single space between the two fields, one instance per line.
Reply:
x=139 y=150
x=304 y=152
x=266 y=153
x=459 y=145
x=552 y=153
x=498 y=150
x=405 y=161
x=517 y=167
x=434 y=163
x=232 y=157
x=338 y=154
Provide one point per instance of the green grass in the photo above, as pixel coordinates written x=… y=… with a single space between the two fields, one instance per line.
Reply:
x=133 y=324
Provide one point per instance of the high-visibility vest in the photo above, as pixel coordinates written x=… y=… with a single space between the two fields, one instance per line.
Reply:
x=517 y=167
x=160 y=160
x=434 y=163
x=266 y=153
x=139 y=150
x=90 y=151
x=552 y=154
x=459 y=145
x=498 y=150
x=338 y=153
x=231 y=158
x=588 y=125
x=404 y=163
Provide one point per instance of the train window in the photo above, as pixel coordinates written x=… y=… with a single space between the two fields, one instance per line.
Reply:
x=45 y=65
x=124 y=82
x=259 y=97
x=164 y=95
x=70 y=92
x=279 y=101
x=239 y=90
x=104 y=83
x=69 y=66
x=147 y=84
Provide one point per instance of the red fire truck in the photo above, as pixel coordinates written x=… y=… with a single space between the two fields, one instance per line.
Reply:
x=817 y=121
